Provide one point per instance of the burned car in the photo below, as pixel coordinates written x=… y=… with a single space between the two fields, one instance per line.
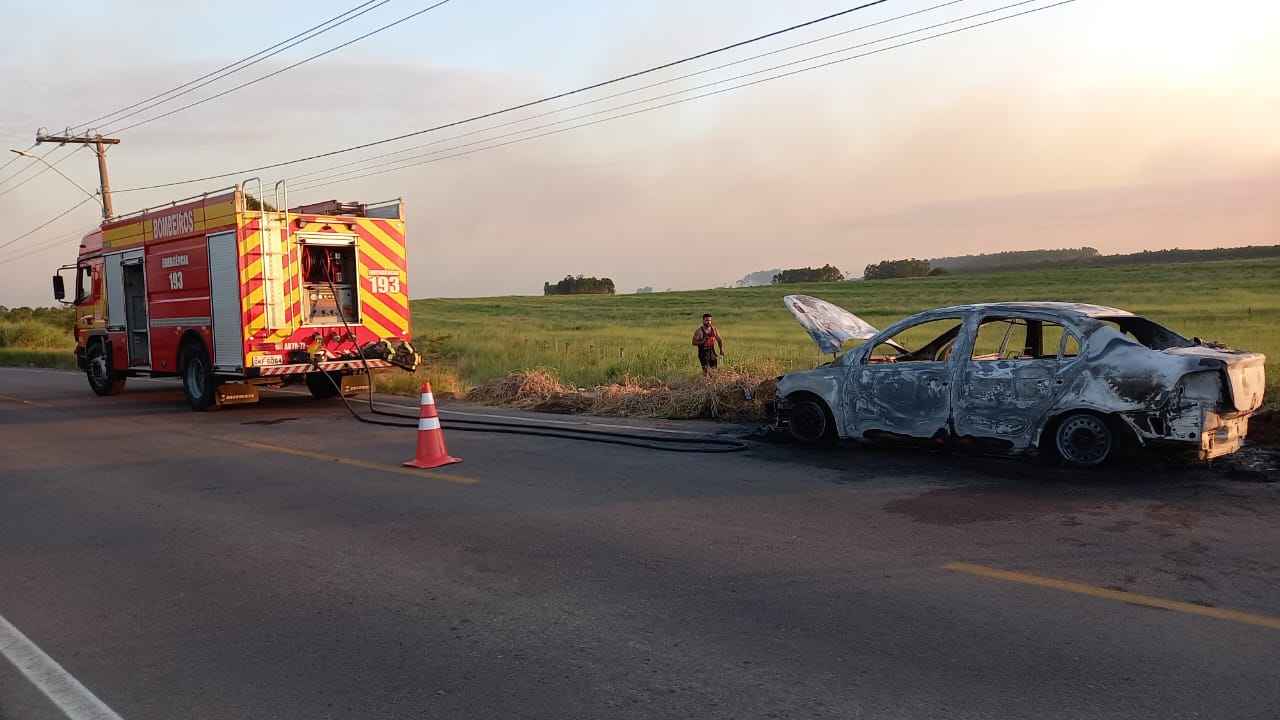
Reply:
x=1071 y=381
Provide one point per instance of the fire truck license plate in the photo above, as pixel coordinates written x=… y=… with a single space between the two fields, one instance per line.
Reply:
x=260 y=360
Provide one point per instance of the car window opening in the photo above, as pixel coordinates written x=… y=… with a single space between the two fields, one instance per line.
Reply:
x=925 y=342
x=1017 y=339
x=1147 y=332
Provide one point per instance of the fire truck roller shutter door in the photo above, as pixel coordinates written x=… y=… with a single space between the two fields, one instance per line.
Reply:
x=224 y=287
x=115 y=291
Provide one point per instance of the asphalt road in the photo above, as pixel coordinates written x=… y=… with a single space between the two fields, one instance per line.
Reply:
x=276 y=561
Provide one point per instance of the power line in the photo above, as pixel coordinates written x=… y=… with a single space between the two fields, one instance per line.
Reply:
x=46 y=245
x=41 y=226
x=277 y=72
x=239 y=65
x=324 y=181
x=24 y=168
x=351 y=174
x=15 y=159
x=313 y=185
x=46 y=168
x=43 y=169
x=660 y=83
x=521 y=106
x=663 y=82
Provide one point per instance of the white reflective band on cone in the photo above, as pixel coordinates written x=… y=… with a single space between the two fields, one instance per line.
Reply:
x=428 y=423
x=427 y=399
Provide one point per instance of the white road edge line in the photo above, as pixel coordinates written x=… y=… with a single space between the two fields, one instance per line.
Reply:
x=73 y=699
x=443 y=411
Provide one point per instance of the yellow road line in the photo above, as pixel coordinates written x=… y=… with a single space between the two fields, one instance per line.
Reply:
x=1128 y=597
x=365 y=464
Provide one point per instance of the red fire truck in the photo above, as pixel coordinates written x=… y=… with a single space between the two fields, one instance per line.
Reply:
x=231 y=295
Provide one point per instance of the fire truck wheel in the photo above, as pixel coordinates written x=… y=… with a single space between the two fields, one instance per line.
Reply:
x=97 y=366
x=197 y=377
x=322 y=385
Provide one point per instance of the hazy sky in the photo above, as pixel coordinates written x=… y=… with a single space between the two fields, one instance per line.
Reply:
x=1118 y=124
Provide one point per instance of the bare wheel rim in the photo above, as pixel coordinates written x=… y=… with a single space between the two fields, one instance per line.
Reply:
x=809 y=420
x=1084 y=439
x=98 y=368
x=195 y=376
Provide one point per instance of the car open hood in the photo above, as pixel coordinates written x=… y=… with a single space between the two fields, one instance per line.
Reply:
x=829 y=325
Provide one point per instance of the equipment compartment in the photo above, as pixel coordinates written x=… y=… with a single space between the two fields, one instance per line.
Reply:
x=329 y=283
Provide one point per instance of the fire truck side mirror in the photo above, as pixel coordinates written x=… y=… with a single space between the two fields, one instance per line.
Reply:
x=59 y=289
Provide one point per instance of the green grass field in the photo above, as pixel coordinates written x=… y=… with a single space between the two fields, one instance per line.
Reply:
x=592 y=340
x=601 y=339
x=32 y=343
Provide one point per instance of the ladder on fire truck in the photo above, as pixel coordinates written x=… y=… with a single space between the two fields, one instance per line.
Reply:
x=277 y=252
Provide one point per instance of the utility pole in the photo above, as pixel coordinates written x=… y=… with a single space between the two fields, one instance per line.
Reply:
x=99 y=143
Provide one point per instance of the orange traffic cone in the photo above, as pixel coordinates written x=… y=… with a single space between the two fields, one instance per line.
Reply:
x=431 y=451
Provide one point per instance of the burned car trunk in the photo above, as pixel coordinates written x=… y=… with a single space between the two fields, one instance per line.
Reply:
x=1070 y=380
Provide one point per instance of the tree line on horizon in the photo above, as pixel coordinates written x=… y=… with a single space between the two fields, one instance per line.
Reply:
x=908 y=268
x=1089 y=257
x=579 y=285
x=1082 y=257
x=61 y=317
x=826 y=273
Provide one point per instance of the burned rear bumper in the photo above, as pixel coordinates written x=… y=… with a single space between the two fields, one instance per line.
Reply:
x=1222 y=435
x=1212 y=434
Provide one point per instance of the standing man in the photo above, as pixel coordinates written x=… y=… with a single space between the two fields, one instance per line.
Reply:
x=706 y=338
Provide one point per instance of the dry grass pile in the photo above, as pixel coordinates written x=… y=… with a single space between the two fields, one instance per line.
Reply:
x=526 y=389
x=729 y=396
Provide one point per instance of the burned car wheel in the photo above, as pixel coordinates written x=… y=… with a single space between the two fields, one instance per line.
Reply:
x=1084 y=440
x=810 y=421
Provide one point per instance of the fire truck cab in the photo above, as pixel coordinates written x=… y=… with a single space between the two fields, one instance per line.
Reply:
x=231 y=294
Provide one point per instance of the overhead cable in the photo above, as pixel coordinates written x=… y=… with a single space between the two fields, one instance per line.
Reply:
x=513 y=108
x=311 y=185
x=15 y=159
x=46 y=223
x=24 y=168
x=645 y=87
x=45 y=245
x=346 y=177
x=235 y=67
x=241 y=86
x=44 y=168
x=240 y=62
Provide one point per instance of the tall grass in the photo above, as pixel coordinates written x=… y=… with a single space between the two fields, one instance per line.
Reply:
x=593 y=340
x=17 y=357
x=35 y=335
x=32 y=343
x=597 y=340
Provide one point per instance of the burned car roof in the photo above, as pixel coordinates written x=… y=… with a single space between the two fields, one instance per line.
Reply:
x=1086 y=309
x=831 y=326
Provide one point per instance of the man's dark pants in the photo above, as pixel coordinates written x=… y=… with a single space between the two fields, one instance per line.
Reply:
x=707 y=358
